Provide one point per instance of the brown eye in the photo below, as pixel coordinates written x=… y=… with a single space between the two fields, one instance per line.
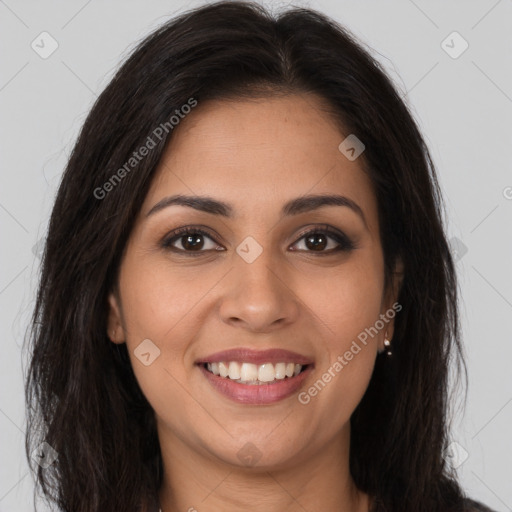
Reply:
x=316 y=241
x=192 y=242
x=322 y=238
x=190 y=239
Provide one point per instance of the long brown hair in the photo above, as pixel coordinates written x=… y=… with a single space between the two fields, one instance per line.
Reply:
x=82 y=396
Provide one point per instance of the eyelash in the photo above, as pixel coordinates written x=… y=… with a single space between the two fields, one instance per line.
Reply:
x=345 y=244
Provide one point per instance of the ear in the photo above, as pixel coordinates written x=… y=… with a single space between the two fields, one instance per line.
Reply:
x=391 y=305
x=115 y=330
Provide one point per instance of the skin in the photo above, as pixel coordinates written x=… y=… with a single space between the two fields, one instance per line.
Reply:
x=255 y=155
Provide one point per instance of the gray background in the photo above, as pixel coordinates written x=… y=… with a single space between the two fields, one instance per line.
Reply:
x=463 y=105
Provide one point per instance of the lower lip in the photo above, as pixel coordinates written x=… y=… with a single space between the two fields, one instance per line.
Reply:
x=256 y=393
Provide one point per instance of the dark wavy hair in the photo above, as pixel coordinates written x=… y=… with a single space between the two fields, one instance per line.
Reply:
x=81 y=393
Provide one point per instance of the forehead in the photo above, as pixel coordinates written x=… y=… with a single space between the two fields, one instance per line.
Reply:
x=257 y=154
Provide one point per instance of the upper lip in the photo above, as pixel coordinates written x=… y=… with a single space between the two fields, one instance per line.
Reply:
x=246 y=355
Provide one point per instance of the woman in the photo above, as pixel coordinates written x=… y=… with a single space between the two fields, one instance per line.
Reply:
x=247 y=299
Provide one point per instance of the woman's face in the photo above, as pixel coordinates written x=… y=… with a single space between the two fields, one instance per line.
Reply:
x=255 y=284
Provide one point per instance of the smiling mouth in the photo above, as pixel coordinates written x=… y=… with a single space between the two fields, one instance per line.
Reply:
x=254 y=374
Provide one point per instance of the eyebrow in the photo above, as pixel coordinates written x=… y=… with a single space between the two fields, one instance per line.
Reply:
x=293 y=207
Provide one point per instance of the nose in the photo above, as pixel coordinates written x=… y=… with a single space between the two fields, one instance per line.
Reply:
x=260 y=295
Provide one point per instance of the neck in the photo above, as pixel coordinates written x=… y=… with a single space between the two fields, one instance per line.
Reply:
x=197 y=482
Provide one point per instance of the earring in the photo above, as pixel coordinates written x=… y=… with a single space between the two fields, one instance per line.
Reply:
x=387 y=344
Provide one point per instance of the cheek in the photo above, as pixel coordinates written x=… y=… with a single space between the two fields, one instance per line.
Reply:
x=158 y=296
x=159 y=306
x=348 y=305
x=156 y=306
x=347 y=299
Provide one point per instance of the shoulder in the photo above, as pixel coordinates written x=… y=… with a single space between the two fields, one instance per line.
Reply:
x=475 y=506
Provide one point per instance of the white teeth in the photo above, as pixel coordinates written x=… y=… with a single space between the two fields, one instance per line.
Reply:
x=223 y=370
x=234 y=370
x=266 y=372
x=248 y=373
x=280 y=370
